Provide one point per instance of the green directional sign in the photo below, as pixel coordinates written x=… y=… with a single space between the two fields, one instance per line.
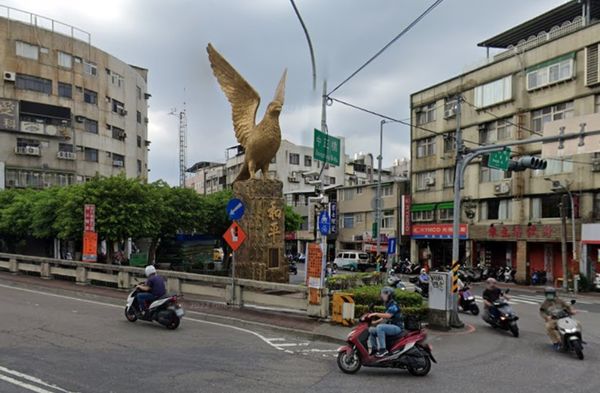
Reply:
x=499 y=159
x=326 y=148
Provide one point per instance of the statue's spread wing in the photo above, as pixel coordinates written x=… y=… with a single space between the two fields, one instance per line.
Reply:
x=243 y=98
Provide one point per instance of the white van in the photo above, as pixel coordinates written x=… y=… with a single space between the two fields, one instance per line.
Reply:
x=351 y=260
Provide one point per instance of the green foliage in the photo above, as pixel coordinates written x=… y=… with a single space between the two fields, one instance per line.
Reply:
x=215 y=206
x=349 y=281
x=293 y=220
x=371 y=295
x=420 y=312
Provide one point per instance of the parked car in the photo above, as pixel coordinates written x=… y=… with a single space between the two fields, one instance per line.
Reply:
x=351 y=260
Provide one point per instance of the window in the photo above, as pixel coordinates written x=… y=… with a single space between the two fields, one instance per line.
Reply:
x=494 y=92
x=138 y=117
x=426 y=114
x=359 y=190
x=494 y=131
x=65 y=60
x=91 y=126
x=425 y=180
x=597 y=103
x=597 y=206
x=387 y=220
x=496 y=209
x=387 y=191
x=139 y=141
x=115 y=79
x=117 y=106
x=294 y=159
x=449 y=177
x=27 y=50
x=542 y=116
x=66 y=147
x=426 y=147
x=90 y=68
x=449 y=142
x=359 y=217
x=422 y=216
x=446 y=214
x=552 y=71
x=118 y=160
x=348 y=220
x=450 y=107
x=548 y=206
x=90 y=154
x=33 y=83
x=307 y=161
x=139 y=92
x=487 y=175
x=139 y=167
x=331 y=180
x=65 y=90
x=89 y=96
x=347 y=194
x=118 y=133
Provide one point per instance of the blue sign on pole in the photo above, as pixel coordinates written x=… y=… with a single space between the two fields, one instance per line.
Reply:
x=333 y=216
x=235 y=209
x=391 y=246
x=324 y=223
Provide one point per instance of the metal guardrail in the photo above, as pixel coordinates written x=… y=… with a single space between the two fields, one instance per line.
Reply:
x=247 y=292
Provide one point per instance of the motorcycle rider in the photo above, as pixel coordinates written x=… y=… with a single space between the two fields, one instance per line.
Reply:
x=551 y=304
x=152 y=289
x=385 y=323
x=491 y=295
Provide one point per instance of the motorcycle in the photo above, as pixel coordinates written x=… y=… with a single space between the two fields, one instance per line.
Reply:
x=505 y=318
x=466 y=301
x=421 y=287
x=166 y=310
x=570 y=332
x=394 y=280
x=406 y=351
x=539 y=277
x=293 y=268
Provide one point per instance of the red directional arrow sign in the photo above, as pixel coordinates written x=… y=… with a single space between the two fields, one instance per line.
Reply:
x=234 y=236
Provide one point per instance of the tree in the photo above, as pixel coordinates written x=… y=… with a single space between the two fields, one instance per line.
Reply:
x=216 y=212
x=293 y=220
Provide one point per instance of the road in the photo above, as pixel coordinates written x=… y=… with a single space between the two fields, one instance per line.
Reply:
x=65 y=342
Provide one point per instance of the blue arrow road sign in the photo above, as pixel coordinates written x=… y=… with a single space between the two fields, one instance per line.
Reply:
x=324 y=223
x=235 y=209
x=391 y=246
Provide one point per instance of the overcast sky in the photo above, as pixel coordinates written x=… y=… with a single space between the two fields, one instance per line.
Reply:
x=262 y=37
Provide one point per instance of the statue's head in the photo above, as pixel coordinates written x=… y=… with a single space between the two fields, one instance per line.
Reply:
x=274 y=108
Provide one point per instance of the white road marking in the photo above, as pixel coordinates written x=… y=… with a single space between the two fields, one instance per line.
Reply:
x=31 y=379
x=23 y=384
x=260 y=336
x=291 y=344
x=276 y=339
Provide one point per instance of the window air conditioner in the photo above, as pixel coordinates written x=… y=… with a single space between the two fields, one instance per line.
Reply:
x=596 y=166
x=448 y=113
x=430 y=181
x=10 y=76
x=502 y=188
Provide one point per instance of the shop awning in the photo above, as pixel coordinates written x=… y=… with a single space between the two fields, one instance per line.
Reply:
x=422 y=207
x=445 y=205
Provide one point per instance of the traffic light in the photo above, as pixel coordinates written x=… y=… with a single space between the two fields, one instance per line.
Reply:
x=527 y=162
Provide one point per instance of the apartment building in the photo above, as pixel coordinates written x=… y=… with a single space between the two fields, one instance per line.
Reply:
x=543 y=70
x=206 y=177
x=68 y=110
x=356 y=216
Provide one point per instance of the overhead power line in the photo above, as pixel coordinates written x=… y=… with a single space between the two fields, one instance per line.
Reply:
x=501 y=118
x=404 y=31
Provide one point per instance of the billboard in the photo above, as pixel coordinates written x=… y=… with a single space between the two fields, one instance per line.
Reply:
x=437 y=231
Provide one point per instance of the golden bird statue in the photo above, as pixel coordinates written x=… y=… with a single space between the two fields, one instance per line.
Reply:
x=260 y=141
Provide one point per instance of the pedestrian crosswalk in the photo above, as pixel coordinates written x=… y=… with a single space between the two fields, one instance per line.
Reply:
x=530 y=299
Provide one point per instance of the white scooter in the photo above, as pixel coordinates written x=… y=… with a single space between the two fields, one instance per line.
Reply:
x=166 y=310
x=570 y=332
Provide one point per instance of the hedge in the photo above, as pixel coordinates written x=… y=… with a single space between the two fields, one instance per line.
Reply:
x=420 y=312
x=348 y=281
x=372 y=295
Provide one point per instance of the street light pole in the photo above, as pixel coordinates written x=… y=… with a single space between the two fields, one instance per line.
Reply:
x=378 y=196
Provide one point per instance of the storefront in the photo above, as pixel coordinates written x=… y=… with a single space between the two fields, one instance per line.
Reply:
x=526 y=248
x=433 y=244
x=590 y=249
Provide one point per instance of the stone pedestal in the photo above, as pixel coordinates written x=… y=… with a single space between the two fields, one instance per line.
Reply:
x=261 y=257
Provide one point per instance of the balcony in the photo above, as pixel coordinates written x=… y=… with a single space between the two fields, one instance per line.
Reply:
x=28 y=150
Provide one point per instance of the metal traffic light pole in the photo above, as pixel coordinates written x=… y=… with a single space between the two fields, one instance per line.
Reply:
x=464 y=156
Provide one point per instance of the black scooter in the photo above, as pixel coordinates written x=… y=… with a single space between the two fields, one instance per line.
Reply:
x=502 y=316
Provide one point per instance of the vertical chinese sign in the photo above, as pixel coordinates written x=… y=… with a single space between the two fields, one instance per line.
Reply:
x=90 y=237
x=314 y=273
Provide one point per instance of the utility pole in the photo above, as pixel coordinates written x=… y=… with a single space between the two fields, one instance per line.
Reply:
x=320 y=190
x=378 y=196
x=563 y=239
x=458 y=182
x=182 y=143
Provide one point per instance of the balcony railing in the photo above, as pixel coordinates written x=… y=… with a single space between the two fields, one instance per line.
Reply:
x=28 y=150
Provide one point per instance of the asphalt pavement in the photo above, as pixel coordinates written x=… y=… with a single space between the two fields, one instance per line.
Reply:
x=66 y=342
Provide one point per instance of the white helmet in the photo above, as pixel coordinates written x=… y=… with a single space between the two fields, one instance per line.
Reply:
x=150 y=270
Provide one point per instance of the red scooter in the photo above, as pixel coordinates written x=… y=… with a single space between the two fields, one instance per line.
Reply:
x=406 y=351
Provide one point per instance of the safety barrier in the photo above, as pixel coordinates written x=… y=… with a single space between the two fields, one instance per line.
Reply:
x=215 y=288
